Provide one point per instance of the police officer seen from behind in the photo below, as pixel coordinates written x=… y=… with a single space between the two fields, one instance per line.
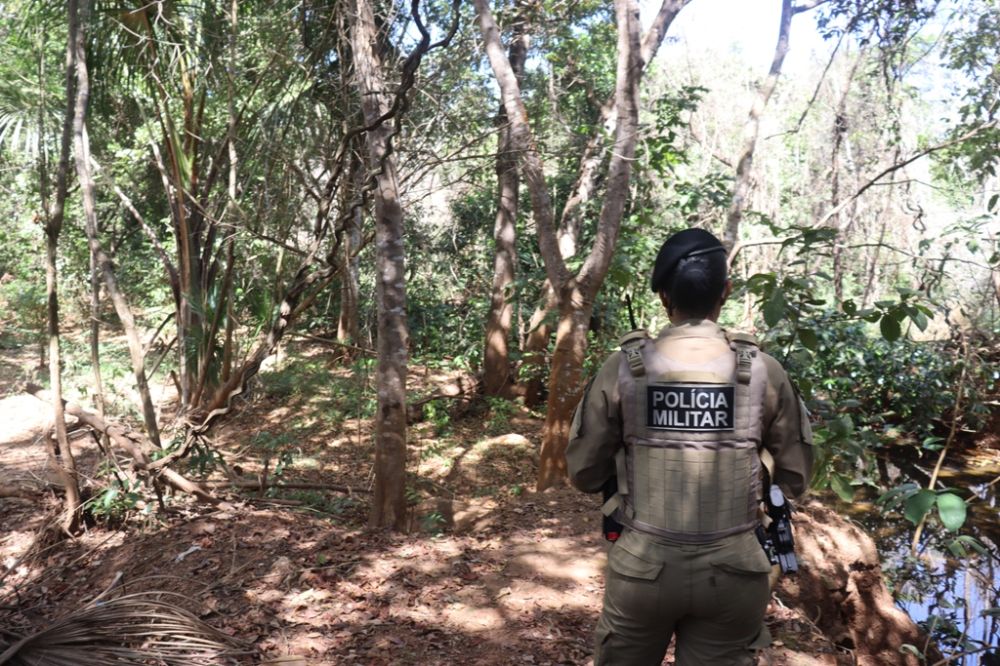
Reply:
x=685 y=422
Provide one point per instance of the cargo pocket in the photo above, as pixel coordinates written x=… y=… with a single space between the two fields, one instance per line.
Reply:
x=625 y=563
x=739 y=577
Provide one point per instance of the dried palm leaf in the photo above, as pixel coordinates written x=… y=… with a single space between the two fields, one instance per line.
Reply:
x=138 y=629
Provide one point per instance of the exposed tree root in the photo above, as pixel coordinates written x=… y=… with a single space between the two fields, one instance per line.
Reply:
x=127 y=441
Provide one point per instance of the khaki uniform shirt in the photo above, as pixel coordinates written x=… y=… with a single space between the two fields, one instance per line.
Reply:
x=596 y=433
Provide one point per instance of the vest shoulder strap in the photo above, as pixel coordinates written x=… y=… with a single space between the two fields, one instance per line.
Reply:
x=745 y=346
x=631 y=345
x=744 y=338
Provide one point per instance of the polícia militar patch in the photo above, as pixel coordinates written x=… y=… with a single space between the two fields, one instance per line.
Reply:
x=690 y=407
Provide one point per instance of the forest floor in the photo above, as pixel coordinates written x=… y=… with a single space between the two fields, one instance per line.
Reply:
x=491 y=573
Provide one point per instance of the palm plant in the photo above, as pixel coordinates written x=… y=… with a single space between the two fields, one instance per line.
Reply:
x=140 y=628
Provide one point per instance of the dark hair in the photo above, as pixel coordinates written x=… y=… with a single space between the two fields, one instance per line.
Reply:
x=696 y=285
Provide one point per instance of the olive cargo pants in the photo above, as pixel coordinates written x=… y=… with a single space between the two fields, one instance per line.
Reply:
x=711 y=596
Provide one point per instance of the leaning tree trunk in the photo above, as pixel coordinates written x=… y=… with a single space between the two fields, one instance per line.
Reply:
x=59 y=451
x=389 y=501
x=497 y=376
x=82 y=144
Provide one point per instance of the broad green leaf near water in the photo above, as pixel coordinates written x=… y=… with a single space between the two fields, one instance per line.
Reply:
x=952 y=510
x=962 y=544
x=918 y=505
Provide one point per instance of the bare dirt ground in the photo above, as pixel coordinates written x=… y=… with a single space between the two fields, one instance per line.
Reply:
x=491 y=574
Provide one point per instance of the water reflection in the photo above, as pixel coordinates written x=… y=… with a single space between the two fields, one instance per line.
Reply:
x=950 y=589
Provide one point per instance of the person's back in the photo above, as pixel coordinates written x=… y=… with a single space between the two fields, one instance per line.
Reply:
x=679 y=422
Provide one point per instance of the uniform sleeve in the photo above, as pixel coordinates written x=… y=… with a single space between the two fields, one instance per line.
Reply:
x=787 y=433
x=596 y=433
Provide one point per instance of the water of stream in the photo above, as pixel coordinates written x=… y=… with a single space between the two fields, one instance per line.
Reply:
x=955 y=597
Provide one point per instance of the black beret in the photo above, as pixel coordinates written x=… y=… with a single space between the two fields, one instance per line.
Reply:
x=686 y=243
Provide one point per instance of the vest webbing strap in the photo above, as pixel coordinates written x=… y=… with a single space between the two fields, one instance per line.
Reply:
x=633 y=356
x=631 y=345
x=745 y=353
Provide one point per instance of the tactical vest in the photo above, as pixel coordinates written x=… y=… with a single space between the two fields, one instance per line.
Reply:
x=690 y=467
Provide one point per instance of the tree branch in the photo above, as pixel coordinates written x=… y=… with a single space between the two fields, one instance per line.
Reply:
x=899 y=165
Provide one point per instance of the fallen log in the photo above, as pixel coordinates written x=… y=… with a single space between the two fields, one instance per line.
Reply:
x=124 y=439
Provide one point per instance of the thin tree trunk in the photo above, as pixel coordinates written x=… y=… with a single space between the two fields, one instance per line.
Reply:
x=388 y=507
x=95 y=339
x=347 y=322
x=59 y=451
x=839 y=131
x=571 y=220
x=497 y=376
x=82 y=145
x=741 y=188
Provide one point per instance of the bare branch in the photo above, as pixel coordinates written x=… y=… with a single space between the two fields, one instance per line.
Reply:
x=899 y=165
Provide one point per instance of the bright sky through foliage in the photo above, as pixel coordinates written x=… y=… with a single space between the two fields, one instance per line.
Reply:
x=745 y=27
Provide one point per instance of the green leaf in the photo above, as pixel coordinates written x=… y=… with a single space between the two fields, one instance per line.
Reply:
x=901 y=492
x=932 y=443
x=889 y=326
x=871 y=315
x=774 y=309
x=972 y=542
x=957 y=549
x=850 y=307
x=808 y=338
x=841 y=426
x=952 y=509
x=993 y=202
x=842 y=486
x=917 y=506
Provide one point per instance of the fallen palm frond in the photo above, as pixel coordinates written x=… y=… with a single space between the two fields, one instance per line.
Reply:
x=138 y=629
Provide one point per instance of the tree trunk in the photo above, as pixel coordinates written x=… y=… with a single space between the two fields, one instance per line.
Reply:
x=571 y=221
x=575 y=293
x=564 y=386
x=536 y=348
x=388 y=507
x=59 y=451
x=741 y=188
x=82 y=144
x=95 y=339
x=497 y=376
x=347 y=322
x=841 y=228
